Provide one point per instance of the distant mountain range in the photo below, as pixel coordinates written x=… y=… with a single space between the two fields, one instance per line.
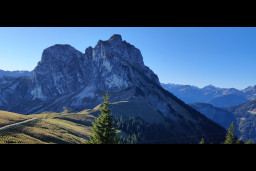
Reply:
x=243 y=116
x=14 y=73
x=219 y=97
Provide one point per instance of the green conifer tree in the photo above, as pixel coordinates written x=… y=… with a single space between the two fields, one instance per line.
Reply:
x=103 y=131
x=202 y=141
x=230 y=136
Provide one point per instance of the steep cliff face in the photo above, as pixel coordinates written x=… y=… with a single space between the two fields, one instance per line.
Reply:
x=74 y=79
x=66 y=77
x=60 y=71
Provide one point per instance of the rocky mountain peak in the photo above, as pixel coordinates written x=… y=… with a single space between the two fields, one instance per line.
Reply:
x=116 y=50
x=114 y=41
x=58 y=48
x=112 y=65
x=209 y=87
x=254 y=88
x=116 y=38
x=59 y=53
x=250 y=89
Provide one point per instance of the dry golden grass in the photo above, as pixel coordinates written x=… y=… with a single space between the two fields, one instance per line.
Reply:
x=45 y=115
x=7 y=118
x=55 y=130
x=65 y=128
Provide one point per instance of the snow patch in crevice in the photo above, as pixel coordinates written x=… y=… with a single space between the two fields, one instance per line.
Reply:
x=107 y=65
x=37 y=93
x=253 y=112
x=115 y=81
x=87 y=92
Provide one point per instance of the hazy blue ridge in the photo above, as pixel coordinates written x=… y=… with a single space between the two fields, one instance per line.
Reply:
x=220 y=97
x=14 y=73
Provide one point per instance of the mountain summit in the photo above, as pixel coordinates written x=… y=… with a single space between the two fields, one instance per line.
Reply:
x=66 y=77
x=116 y=37
x=70 y=78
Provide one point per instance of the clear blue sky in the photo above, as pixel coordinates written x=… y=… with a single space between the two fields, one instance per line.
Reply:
x=224 y=57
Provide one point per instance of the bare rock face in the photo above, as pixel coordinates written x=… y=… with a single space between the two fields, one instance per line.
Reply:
x=66 y=77
x=74 y=79
x=60 y=71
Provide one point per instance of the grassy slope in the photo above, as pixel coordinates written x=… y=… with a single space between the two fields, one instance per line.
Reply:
x=7 y=118
x=53 y=130
x=68 y=128
x=73 y=127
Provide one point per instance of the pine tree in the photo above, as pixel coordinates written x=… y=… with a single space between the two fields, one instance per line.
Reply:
x=202 y=141
x=103 y=131
x=230 y=136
